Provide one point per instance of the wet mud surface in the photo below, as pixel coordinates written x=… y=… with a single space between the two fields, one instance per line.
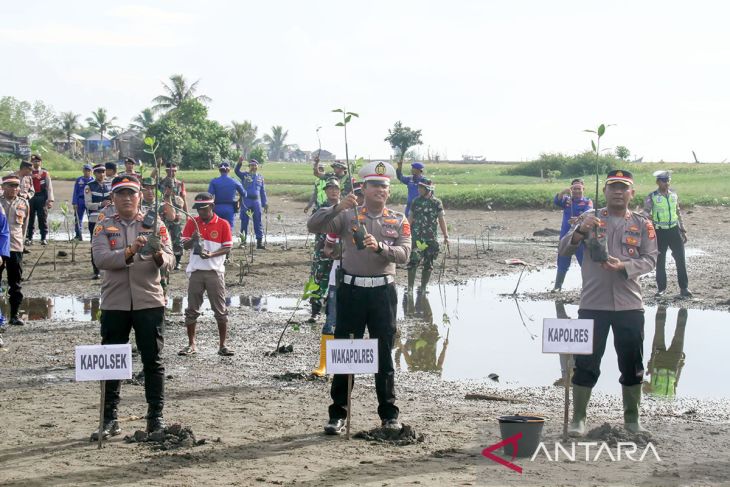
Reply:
x=269 y=416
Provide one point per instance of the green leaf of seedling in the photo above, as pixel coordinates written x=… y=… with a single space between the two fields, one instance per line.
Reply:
x=278 y=216
x=149 y=141
x=249 y=213
x=353 y=114
x=296 y=327
x=593 y=144
x=421 y=245
x=337 y=110
x=601 y=130
x=310 y=289
x=445 y=319
x=347 y=118
x=589 y=130
x=420 y=344
x=339 y=124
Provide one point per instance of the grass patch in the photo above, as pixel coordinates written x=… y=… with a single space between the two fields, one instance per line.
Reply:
x=488 y=186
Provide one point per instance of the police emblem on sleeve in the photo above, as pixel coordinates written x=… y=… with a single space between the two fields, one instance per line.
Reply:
x=380 y=169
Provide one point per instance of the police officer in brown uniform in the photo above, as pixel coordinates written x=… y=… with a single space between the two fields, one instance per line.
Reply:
x=16 y=212
x=131 y=295
x=26 y=180
x=611 y=294
x=366 y=294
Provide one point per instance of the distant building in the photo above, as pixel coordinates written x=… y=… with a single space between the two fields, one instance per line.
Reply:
x=94 y=143
x=129 y=143
x=324 y=155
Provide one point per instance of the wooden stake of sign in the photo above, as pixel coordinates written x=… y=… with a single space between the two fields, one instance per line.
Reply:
x=566 y=383
x=349 y=398
x=101 y=412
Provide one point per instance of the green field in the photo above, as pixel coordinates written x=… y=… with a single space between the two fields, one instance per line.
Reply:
x=487 y=185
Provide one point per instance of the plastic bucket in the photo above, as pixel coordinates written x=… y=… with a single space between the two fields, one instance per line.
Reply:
x=531 y=429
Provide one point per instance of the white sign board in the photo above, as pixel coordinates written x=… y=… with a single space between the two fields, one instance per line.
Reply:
x=567 y=336
x=346 y=356
x=104 y=362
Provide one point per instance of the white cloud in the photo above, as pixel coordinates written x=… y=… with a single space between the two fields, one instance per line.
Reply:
x=76 y=35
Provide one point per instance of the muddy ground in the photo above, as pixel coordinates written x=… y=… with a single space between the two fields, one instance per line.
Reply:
x=263 y=430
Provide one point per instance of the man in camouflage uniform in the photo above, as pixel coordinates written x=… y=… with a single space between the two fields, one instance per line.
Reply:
x=321 y=264
x=339 y=173
x=173 y=218
x=426 y=210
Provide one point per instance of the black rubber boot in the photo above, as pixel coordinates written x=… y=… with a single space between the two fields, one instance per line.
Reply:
x=155 y=422
x=259 y=244
x=559 y=278
x=110 y=427
x=177 y=262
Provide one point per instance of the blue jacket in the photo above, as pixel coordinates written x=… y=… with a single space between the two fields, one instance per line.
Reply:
x=253 y=183
x=412 y=182
x=571 y=208
x=224 y=189
x=4 y=235
x=79 y=186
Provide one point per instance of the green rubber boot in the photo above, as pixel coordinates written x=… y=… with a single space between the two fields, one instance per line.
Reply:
x=632 y=400
x=411 y=278
x=581 y=396
x=425 y=277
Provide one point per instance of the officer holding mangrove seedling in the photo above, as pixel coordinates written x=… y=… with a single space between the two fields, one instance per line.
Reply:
x=624 y=249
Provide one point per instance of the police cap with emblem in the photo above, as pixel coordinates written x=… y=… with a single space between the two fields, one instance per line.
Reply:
x=620 y=176
x=99 y=168
x=125 y=182
x=379 y=171
x=11 y=179
x=663 y=175
x=332 y=182
x=339 y=164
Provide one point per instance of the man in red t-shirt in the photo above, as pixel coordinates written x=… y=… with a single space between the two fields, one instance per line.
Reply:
x=209 y=236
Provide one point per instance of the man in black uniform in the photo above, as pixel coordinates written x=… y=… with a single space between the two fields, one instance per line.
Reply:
x=366 y=294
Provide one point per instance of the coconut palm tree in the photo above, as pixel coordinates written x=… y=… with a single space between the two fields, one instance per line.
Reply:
x=276 y=142
x=177 y=92
x=143 y=121
x=100 y=121
x=69 y=124
x=243 y=135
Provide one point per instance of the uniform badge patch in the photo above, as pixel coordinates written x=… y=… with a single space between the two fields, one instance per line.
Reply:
x=406 y=228
x=650 y=230
x=98 y=230
x=112 y=229
x=214 y=234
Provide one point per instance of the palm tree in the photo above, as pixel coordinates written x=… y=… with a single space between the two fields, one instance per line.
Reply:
x=177 y=92
x=100 y=121
x=69 y=124
x=143 y=121
x=243 y=135
x=276 y=142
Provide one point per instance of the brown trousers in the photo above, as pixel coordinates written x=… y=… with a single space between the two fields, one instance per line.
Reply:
x=214 y=285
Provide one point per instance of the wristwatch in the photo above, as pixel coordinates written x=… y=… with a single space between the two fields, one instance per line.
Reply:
x=380 y=248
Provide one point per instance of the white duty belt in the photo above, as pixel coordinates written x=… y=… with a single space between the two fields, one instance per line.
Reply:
x=367 y=281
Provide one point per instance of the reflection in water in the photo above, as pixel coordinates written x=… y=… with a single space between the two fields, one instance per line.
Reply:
x=487 y=335
x=57 y=308
x=665 y=365
x=420 y=351
x=87 y=309
x=562 y=314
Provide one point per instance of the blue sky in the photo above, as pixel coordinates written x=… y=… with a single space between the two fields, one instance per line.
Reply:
x=506 y=80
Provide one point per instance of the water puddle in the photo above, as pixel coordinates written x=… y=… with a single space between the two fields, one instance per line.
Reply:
x=72 y=308
x=477 y=331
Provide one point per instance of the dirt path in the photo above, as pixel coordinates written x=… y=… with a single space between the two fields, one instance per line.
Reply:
x=270 y=429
